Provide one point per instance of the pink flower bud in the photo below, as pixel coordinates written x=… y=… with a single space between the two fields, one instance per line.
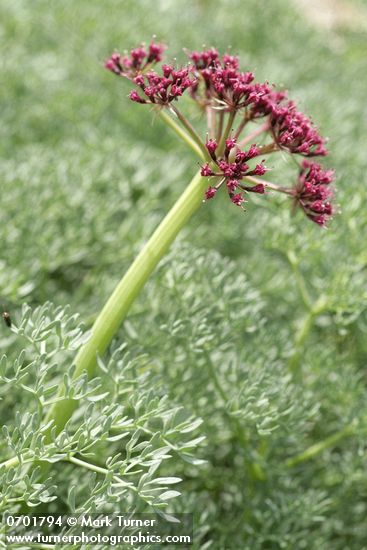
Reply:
x=206 y=170
x=258 y=188
x=210 y=193
x=232 y=185
x=259 y=170
x=211 y=146
x=230 y=143
x=134 y=96
x=237 y=199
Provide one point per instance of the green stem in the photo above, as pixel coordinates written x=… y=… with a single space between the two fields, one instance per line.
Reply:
x=87 y=465
x=318 y=448
x=10 y=463
x=294 y=361
x=250 y=137
x=220 y=126
x=118 y=305
x=222 y=394
x=103 y=471
x=301 y=284
x=182 y=134
x=211 y=118
x=192 y=132
x=216 y=382
x=226 y=133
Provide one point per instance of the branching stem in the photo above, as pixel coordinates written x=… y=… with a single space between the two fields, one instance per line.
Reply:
x=182 y=133
x=250 y=137
x=211 y=121
x=192 y=132
x=226 y=133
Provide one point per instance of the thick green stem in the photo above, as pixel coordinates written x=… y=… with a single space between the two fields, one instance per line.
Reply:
x=118 y=305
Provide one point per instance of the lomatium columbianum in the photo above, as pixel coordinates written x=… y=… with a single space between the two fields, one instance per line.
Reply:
x=233 y=101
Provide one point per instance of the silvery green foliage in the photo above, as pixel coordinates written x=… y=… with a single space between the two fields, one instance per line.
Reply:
x=210 y=346
x=125 y=425
x=210 y=328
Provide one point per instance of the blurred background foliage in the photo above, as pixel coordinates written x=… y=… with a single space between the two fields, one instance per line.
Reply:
x=86 y=176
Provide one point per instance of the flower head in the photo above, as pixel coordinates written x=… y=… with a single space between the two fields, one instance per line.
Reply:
x=210 y=192
x=313 y=192
x=232 y=173
x=161 y=89
x=233 y=101
x=206 y=171
x=131 y=64
x=237 y=199
x=221 y=79
x=294 y=131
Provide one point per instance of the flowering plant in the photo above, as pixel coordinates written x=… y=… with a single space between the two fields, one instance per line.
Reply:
x=233 y=103
x=229 y=160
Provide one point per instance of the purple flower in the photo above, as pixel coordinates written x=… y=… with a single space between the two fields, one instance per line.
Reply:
x=237 y=199
x=210 y=192
x=230 y=144
x=294 y=131
x=313 y=192
x=134 y=96
x=259 y=170
x=206 y=171
x=156 y=52
x=129 y=65
x=204 y=59
x=211 y=146
x=161 y=89
x=231 y=100
x=232 y=173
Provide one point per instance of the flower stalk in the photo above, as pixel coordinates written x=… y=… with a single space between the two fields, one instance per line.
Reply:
x=192 y=132
x=182 y=134
x=226 y=133
x=119 y=303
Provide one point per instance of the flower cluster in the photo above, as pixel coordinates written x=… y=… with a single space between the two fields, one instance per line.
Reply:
x=139 y=59
x=294 y=131
x=313 y=192
x=162 y=89
x=223 y=83
x=233 y=101
x=232 y=169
